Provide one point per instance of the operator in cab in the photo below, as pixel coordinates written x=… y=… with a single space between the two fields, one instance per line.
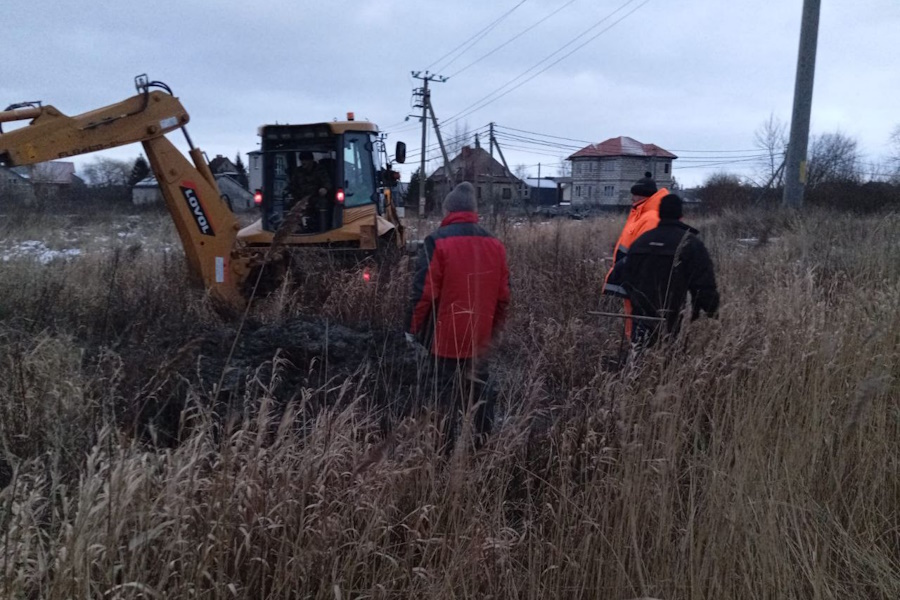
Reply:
x=310 y=184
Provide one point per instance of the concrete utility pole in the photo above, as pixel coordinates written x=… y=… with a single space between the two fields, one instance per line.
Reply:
x=426 y=100
x=448 y=174
x=795 y=164
x=491 y=175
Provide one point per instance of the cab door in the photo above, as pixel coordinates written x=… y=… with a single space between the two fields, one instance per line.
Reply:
x=358 y=170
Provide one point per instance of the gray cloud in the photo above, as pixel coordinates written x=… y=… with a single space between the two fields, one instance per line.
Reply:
x=693 y=75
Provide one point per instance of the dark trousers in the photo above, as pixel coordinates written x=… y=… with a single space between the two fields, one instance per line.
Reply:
x=456 y=386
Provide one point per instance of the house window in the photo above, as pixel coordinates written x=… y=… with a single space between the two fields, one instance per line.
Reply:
x=479 y=192
x=609 y=165
x=578 y=191
x=507 y=193
x=590 y=190
x=666 y=168
x=593 y=167
x=609 y=191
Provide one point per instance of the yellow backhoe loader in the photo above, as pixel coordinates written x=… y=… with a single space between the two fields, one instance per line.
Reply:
x=321 y=185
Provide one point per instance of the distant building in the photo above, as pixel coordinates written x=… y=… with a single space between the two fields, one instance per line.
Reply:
x=147 y=191
x=541 y=192
x=565 y=189
x=15 y=187
x=603 y=173
x=222 y=165
x=47 y=180
x=254 y=170
x=492 y=181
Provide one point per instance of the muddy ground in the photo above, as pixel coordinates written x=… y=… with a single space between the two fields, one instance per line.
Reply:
x=310 y=361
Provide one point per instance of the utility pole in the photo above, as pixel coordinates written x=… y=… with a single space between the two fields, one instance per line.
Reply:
x=795 y=164
x=506 y=172
x=500 y=152
x=437 y=131
x=426 y=77
x=490 y=173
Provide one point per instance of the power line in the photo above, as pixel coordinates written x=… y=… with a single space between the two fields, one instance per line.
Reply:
x=532 y=151
x=486 y=100
x=462 y=138
x=545 y=134
x=567 y=147
x=546 y=145
x=481 y=33
x=743 y=162
x=558 y=137
x=512 y=39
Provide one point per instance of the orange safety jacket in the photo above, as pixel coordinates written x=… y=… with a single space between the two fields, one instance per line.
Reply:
x=643 y=217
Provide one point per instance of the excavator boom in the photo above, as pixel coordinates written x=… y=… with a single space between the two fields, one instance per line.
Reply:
x=205 y=224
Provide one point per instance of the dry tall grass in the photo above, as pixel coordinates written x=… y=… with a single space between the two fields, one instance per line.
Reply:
x=761 y=461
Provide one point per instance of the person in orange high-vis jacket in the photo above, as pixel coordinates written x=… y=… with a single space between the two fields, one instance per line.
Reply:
x=643 y=217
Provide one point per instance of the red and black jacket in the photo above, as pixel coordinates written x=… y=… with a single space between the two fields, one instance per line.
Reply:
x=461 y=289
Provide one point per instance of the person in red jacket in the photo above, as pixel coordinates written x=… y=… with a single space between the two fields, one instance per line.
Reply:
x=459 y=303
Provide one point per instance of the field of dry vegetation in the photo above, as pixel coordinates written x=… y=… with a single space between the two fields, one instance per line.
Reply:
x=137 y=460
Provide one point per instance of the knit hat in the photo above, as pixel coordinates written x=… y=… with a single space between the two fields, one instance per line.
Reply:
x=461 y=199
x=645 y=186
x=670 y=207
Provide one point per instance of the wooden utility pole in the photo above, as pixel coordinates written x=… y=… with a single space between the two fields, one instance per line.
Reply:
x=795 y=164
x=426 y=100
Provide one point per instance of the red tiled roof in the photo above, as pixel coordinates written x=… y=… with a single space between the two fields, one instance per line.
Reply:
x=622 y=146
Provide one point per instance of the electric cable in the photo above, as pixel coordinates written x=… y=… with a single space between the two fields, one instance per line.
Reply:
x=512 y=39
x=480 y=32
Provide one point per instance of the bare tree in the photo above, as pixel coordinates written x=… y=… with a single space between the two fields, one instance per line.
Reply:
x=724 y=190
x=723 y=178
x=833 y=157
x=894 y=159
x=460 y=137
x=565 y=167
x=520 y=171
x=107 y=172
x=771 y=138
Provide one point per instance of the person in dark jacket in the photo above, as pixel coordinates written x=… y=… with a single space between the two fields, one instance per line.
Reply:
x=664 y=265
x=459 y=302
x=311 y=185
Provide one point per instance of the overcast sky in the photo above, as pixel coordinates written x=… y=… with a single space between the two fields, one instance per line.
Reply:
x=695 y=77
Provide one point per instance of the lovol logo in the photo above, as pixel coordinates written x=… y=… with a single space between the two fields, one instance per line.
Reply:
x=203 y=224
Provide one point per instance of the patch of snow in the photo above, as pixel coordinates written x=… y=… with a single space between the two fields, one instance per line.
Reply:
x=35 y=250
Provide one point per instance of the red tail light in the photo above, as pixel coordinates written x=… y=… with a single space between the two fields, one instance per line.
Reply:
x=339 y=196
x=257 y=198
x=367 y=277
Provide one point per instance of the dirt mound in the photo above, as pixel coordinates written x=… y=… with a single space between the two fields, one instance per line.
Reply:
x=306 y=357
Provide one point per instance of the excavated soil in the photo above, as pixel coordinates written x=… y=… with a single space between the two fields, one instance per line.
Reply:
x=307 y=360
x=310 y=352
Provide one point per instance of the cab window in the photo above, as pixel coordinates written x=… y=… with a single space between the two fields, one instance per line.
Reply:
x=359 y=172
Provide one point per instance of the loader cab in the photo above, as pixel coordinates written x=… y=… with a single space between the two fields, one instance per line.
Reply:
x=329 y=169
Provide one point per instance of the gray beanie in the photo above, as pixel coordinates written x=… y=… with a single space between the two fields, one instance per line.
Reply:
x=461 y=199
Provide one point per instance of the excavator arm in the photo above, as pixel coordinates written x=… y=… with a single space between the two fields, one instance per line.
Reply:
x=205 y=224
